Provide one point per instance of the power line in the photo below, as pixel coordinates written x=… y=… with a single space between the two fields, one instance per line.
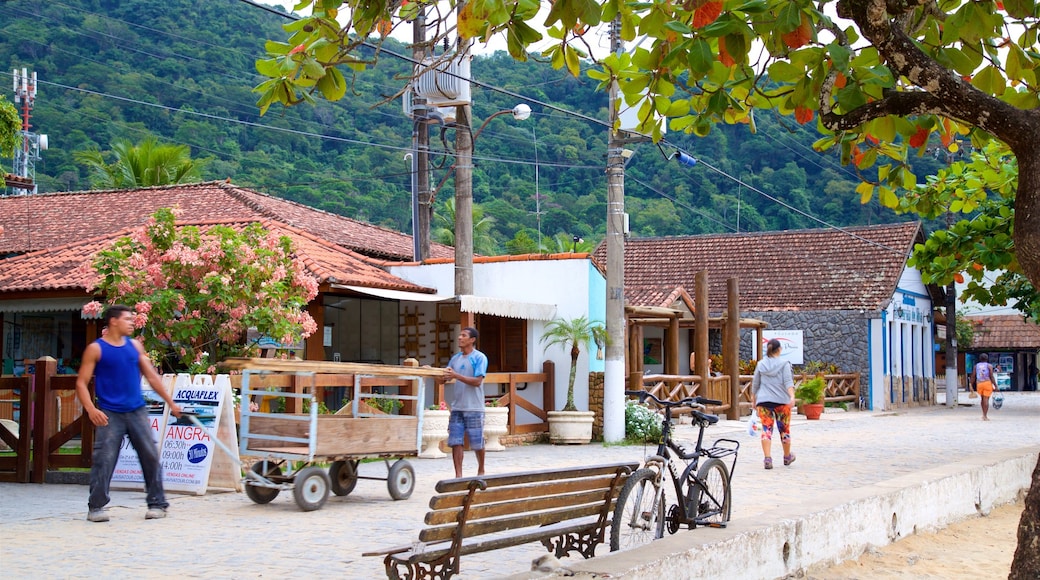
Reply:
x=787 y=205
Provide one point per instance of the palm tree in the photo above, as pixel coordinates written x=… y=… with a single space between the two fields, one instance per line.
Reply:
x=574 y=333
x=483 y=242
x=147 y=164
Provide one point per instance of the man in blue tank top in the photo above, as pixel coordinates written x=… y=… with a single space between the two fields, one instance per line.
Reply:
x=117 y=361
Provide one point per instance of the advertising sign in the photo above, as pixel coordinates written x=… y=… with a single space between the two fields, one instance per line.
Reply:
x=128 y=473
x=187 y=449
x=791 y=345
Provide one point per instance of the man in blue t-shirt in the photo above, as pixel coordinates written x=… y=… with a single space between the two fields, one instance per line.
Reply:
x=467 y=368
x=116 y=361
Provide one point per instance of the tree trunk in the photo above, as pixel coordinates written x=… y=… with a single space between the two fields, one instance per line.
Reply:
x=1026 y=564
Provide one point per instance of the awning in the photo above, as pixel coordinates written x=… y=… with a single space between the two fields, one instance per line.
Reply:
x=395 y=294
x=507 y=308
x=43 y=304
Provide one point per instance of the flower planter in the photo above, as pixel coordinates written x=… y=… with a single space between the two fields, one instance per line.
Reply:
x=496 y=424
x=434 y=431
x=811 y=411
x=570 y=427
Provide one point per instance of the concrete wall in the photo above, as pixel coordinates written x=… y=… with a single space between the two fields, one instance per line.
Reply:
x=831 y=528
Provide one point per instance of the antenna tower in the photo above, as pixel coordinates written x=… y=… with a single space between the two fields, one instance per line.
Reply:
x=23 y=180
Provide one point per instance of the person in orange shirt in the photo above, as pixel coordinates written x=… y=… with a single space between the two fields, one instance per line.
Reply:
x=983 y=375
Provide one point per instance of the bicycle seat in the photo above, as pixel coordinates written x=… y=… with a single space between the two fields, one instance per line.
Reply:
x=710 y=419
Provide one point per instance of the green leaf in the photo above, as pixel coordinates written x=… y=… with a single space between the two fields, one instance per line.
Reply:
x=1020 y=8
x=678 y=27
x=269 y=67
x=989 y=80
x=332 y=86
x=700 y=58
x=839 y=56
x=784 y=71
x=789 y=18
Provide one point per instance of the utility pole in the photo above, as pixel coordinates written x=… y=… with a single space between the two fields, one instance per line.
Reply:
x=614 y=365
x=464 y=190
x=421 y=209
x=952 y=382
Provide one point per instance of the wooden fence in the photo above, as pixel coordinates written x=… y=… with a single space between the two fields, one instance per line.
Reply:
x=840 y=388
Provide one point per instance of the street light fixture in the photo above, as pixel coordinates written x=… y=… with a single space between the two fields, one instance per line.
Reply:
x=464 y=193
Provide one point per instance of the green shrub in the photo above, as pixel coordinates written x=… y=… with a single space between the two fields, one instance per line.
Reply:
x=810 y=391
x=641 y=424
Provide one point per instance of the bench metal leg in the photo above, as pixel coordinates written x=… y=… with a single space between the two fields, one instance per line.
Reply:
x=441 y=568
x=583 y=543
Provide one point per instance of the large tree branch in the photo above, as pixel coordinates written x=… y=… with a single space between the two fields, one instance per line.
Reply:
x=950 y=95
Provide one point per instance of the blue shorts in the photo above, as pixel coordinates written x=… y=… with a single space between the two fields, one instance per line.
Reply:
x=462 y=423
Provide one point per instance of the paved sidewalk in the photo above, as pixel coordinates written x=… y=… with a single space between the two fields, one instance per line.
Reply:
x=224 y=535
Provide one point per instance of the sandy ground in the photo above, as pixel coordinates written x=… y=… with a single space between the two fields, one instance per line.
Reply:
x=976 y=548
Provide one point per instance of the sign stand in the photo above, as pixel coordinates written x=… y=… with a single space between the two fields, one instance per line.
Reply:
x=186 y=451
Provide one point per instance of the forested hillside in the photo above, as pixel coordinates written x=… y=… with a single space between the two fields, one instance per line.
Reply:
x=184 y=71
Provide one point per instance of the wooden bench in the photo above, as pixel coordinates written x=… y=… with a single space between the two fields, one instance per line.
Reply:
x=567 y=510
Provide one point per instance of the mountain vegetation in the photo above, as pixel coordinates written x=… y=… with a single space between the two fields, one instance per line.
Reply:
x=183 y=73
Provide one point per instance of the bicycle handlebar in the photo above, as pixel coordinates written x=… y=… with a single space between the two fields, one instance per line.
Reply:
x=687 y=402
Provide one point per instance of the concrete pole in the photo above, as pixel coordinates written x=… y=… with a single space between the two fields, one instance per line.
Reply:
x=422 y=212
x=464 y=192
x=614 y=365
x=951 y=345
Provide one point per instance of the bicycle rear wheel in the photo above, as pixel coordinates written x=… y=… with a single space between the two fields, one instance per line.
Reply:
x=637 y=521
x=714 y=494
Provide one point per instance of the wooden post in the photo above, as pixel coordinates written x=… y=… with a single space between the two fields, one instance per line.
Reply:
x=549 y=386
x=700 y=325
x=732 y=346
x=672 y=358
x=43 y=414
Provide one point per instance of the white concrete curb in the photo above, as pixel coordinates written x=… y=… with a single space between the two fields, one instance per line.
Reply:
x=829 y=529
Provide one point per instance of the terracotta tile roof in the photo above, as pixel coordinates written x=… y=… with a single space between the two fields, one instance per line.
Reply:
x=65 y=267
x=34 y=222
x=1003 y=331
x=820 y=269
x=493 y=259
x=658 y=296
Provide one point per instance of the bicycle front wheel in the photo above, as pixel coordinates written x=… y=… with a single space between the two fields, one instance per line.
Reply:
x=637 y=520
x=713 y=496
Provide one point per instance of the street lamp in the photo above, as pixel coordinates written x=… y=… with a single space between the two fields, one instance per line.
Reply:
x=464 y=193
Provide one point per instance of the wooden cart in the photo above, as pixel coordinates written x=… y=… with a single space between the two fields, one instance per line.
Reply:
x=291 y=445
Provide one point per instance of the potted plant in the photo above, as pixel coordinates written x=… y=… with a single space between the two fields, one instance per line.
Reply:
x=810 y=397
x=571 y=425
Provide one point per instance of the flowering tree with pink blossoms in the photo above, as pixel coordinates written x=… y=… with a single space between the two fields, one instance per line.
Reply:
x=196 y=293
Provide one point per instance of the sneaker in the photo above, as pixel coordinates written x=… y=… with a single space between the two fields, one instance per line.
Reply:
x=98 y=515
x=155 y=514
x=769 y=462
x=789 y=459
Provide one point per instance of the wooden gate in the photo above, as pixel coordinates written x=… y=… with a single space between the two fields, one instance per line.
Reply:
x=41 y=435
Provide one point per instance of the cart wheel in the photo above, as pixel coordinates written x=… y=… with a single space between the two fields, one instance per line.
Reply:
x=311 y=488
x=258 y=494
x=401 y=479
x=344 y=476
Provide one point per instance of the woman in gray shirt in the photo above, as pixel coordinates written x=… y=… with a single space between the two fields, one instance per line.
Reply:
x=772 y=394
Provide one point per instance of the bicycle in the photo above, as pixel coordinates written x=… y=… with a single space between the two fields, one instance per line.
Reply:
x=704 y=487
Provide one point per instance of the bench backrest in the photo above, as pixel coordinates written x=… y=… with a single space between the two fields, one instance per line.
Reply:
x=498 y=503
